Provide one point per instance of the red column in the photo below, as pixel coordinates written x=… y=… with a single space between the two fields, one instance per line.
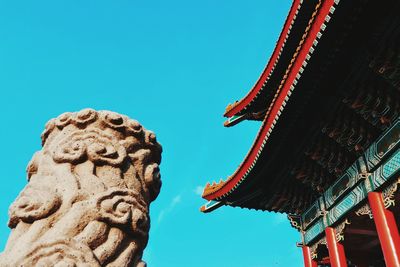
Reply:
x=336 y=250
x=308 y=261
x=387 y=229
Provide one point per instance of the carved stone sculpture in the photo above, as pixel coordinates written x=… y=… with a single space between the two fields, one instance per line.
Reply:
x=88 y=196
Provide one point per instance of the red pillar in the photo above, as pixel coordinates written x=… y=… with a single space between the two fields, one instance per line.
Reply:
x=387 y=229
x=336 y=250
x=308 y=261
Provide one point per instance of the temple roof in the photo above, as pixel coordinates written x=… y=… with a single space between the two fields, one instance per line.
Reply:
x=285 y=169
x=282 y=94
x=252 y=106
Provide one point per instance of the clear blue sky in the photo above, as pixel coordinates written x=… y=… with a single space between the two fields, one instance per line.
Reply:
x=174 y=66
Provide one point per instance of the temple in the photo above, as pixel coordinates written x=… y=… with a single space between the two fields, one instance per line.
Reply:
x=327 y=153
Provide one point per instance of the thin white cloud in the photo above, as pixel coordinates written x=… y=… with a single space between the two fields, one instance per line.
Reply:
x=174 y=201
x=161 y=216
x=198 y=190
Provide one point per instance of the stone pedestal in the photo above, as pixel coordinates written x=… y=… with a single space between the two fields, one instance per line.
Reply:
x=88 y=196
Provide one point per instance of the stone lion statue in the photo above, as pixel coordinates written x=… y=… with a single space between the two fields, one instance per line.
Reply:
x=88 y=196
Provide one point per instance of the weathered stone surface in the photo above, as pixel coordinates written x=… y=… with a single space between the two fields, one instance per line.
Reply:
x=88 y=196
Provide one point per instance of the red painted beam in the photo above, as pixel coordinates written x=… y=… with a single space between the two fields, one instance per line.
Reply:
x=336 y=250
x=308 y=261
x=386 y=227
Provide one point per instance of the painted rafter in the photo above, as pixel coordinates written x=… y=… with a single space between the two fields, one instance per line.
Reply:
x=317 y=25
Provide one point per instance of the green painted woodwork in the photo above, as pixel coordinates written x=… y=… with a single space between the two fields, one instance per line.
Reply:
x=343 y=184
x=352 y=199
x=315 y=230
x=370 y=172
x=383 y=146
x=313 y=213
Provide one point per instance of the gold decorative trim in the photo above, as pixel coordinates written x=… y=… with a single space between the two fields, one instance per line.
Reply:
x=314 y=248
x=295 y=223
x=367 y=182
x=325 y=218
x=388 y=194
x=364 y=210
x=364 y=175
x=339 y=230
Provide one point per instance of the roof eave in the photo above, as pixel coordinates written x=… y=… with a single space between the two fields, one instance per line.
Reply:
x=224 y=188
x=237 y=107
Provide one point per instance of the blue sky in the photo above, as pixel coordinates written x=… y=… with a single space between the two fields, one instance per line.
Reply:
x=172 y=65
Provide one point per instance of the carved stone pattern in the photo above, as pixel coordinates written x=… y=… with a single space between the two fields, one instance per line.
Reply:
x=88 y=197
